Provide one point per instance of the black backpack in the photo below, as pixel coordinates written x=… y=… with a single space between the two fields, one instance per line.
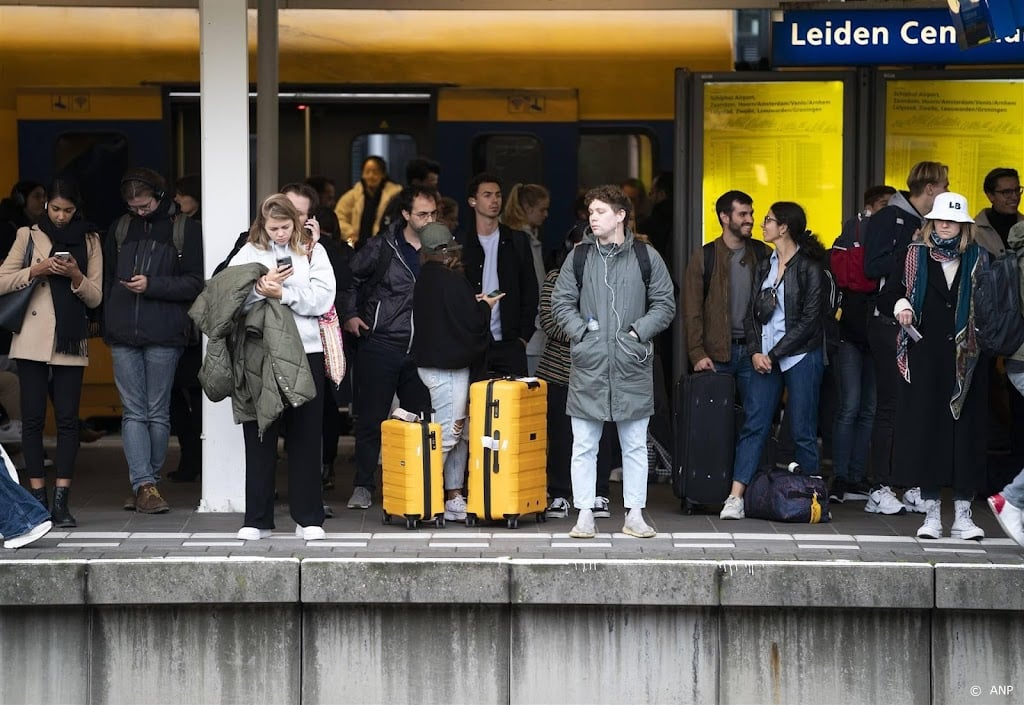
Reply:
x=998 y=321
x=643 y=258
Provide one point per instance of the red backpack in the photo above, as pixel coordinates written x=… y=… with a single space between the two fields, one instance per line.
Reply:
x=847 y=264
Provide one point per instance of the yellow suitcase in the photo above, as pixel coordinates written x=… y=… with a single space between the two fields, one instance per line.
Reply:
x=413 y=484
x=508 y=446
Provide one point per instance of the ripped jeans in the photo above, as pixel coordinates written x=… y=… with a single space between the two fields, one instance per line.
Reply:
x=449 y=397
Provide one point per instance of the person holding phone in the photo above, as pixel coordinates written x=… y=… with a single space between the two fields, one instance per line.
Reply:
x=53 y=341
x=305 y=284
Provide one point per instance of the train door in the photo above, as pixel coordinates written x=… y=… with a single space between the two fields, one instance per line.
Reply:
x=528 y=136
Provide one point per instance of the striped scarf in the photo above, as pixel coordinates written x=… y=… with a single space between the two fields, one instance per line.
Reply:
x=915 y=276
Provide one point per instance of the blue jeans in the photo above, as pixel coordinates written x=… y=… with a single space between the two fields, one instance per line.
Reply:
x=1014 y=492
x=803 y=381
x=851 y=439
x=144 y=377
x=586 y=437
x=20 y=512
x=449 y=395
x=739 y=367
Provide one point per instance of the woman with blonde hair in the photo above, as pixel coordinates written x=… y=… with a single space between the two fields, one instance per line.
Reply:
x=526 y=210
x=305 y=284
x=943 y=387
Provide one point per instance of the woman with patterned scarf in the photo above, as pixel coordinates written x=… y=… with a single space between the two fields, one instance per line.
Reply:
x=67 y=266
x=942 y=398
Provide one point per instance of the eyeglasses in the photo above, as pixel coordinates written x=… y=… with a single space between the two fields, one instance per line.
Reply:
x=768 y=219
x=423 y=215
x=1009 y=192
x=145 y=208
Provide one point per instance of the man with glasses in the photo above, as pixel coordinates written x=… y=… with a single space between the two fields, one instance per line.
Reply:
x=717 y=287
x=149 y=282
x=885 y=235
x=378 y=312
x=1002 y=187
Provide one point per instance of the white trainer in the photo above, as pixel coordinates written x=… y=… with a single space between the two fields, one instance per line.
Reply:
x=932 y=526
x=733 y=508
x=912 y=500
x=635 y=525
x=963 y=525
x=34 y=534
x=251 y=533
x=585 y=528
x=601 y=508
x=1009 y=517
x=310 y=533
x=883 y=501
x=455 y=508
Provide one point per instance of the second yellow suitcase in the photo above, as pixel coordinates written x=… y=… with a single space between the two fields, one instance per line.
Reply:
x=507 y=450
x=412 y=484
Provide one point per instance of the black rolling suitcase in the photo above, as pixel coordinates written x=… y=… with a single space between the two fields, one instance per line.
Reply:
x=705 y=438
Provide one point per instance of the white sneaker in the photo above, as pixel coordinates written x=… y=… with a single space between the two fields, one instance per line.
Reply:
x=310 y=533
x=601 y=510
x=913 y=502
x=10 y=432
x=558 y=508
x=963 y=525
x=34 y=534
x=932 y=526
x=1009 y=517
x=733 y=508
x=585 y=528
x=636 y=526
x=883 y=501
x=251 y=533
x=360 y=499
x=455 y=508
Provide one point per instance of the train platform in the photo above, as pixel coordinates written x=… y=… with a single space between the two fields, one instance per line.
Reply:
x=106 y=530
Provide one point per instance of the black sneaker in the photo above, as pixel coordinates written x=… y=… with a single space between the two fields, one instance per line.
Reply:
x=857 y=492
x=838 y=492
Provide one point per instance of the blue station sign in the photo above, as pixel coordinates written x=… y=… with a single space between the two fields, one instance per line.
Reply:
x=866 y=37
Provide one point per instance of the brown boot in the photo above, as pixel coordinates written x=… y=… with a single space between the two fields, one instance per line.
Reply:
x=149 y=501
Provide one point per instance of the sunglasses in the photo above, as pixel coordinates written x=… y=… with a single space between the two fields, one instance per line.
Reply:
x=764 y=305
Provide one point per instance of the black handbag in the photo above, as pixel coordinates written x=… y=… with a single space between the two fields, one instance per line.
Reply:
x=14 y=305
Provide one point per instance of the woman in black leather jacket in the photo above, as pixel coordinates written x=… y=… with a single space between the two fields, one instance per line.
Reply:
x=784 y=339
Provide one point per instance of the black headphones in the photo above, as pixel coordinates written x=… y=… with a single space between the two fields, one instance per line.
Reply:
x=18 y=197
x=157 y=191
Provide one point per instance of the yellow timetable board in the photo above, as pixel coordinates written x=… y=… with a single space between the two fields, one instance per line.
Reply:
x=971 y=126
x=777 y=141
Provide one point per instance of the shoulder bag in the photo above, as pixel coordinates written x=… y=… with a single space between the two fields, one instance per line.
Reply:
x=14 y=304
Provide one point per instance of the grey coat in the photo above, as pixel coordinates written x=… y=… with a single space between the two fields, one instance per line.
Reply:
x=255 y=356
x=612 y=373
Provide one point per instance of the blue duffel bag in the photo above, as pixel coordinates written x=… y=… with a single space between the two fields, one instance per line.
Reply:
x=787 y=495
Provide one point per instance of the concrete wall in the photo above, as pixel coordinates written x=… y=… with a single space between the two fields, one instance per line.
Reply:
x=320 y=631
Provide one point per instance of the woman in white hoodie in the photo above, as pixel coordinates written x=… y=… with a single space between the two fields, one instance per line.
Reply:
x=301 y=277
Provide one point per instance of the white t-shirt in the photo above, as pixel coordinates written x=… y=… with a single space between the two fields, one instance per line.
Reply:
x=490 y=278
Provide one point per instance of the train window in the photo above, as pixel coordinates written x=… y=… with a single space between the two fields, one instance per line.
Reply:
x=511 y=158
x=611 y=158
x=397 y=150
x=96 y=160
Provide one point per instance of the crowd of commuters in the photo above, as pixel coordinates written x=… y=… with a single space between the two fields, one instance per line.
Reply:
x=428 y=307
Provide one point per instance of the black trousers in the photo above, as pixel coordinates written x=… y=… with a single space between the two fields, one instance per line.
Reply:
x=34 y=378
x=302 y=427
x=506 y=357
x=882 y=343
x=560 y=447
x=187 y=411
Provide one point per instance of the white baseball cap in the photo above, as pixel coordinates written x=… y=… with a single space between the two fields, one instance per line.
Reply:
x=950 y=206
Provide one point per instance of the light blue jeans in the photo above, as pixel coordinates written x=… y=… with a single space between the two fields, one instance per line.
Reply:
x=449 y=397
x=1014 y=492
x=144 y=376
x=586 y=436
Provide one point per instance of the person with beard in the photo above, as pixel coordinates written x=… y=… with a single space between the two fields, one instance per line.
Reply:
x=378 y=313
x=53 y=341
x=148 y=288
x=716 y=299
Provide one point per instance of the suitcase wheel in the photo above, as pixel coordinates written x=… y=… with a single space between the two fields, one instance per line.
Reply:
x=439 y=521
x=412 y=522
x=385 y=518
x=542 y=518
x=471 y=520
x=512 y=521
x=687 y=507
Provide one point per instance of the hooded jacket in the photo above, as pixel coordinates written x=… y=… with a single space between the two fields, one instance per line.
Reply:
x=159 y=315
x=887 y=232
x=612 y=372
x=255 y=356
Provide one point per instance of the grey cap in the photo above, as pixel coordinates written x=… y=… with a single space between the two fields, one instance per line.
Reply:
x=436 y=237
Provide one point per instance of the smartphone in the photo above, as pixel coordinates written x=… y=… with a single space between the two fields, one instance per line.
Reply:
x=66 y=256
x=496 y=292
x=283 y=262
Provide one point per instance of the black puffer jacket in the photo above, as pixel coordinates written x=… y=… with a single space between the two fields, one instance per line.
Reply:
x=804 y=301
x=385 y=306
x=159 y=315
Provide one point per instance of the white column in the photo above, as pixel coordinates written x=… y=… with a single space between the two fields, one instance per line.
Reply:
x=224 y=108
